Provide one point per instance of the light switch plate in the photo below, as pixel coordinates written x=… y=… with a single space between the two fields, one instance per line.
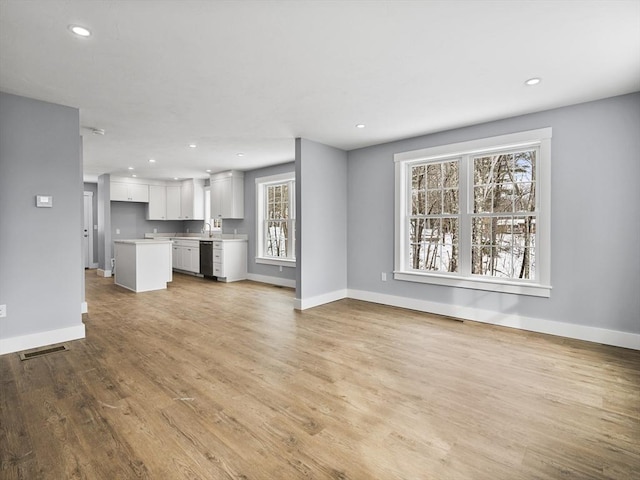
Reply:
x=3 y=311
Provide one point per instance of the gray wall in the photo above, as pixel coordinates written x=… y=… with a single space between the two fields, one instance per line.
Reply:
x=321 y=226
x=247 y=225
x=130 y=219
x=41 y=267
x=595 y=221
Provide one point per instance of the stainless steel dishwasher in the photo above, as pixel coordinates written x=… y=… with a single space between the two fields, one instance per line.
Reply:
x=206 y=258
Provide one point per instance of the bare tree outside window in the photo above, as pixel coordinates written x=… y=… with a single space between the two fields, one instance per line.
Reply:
x=434 y=220
x=504 y=215
x=277 y=220
x=503 y=222
x=476 y=214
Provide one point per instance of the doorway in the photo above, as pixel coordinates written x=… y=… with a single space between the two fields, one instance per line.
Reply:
x=87 y=232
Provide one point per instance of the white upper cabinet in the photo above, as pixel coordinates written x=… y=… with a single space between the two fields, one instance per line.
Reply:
x=157 y=203
x=164 y=202
x=174 y=202
x=129 y=192
x=227 y=195
x=192 y=199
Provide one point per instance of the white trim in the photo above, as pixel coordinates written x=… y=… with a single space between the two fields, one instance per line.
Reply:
x=492 y=285
x=282 y=262
x=281 y=282
x=303 y=304
x=463 y=151
x=104 y=273
x=84 y=307
x=279 y=178
x=551 y=327
x=35 y=340
x=261 y=184
x=500 y=142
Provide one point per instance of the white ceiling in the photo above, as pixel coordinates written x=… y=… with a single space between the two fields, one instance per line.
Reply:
x=250 y=76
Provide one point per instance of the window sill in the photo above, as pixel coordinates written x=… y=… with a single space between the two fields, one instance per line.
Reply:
x=282 y=262
x=501 y=286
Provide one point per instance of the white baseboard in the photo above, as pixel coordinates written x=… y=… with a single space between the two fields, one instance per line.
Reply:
x=281 y=282
x=35 y=340
x=84 y=308
x=104 y=273
x=552 y=327
x=319 y=299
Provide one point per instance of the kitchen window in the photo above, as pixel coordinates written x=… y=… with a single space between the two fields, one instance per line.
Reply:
x=275 y=207
x=476 y=214
x=210 y=224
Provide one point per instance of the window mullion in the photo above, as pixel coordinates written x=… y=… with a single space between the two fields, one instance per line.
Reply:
x=465 y=197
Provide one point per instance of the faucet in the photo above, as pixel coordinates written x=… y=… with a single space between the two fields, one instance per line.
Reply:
x=210 y=230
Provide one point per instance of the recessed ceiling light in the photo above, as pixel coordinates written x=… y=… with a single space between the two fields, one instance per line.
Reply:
x=533 y=81
x=130 y=168
x=134 y=175
x=192 y=145
x=208 y=170
x=360 y=125
x=240 y=154
x=151 y=160
x=80 y=31
x=175 y=178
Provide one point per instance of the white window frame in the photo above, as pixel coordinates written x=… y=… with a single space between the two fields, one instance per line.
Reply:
x=261 y=184
x=541 y=286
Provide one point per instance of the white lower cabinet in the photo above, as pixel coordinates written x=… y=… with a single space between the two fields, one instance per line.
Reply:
x=176 y=258
x=186 y=255
x=230 y=260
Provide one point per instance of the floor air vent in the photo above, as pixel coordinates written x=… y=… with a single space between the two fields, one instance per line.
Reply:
x=43 y=351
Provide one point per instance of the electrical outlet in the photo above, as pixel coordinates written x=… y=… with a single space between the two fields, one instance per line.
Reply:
x=383 y=276
x=3 y=311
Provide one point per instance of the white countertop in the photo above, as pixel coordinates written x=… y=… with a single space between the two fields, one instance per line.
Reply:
x=143 y=241
x=214 y=238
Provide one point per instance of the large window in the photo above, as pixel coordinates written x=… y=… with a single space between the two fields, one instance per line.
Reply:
x=476 y=214
x=275 y=209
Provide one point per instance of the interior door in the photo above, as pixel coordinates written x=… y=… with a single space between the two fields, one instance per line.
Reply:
x=87 y=232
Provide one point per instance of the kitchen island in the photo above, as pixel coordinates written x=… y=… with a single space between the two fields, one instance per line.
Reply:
x=143 y=265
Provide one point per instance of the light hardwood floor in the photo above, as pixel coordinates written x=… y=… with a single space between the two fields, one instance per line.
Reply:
x=226 y=381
